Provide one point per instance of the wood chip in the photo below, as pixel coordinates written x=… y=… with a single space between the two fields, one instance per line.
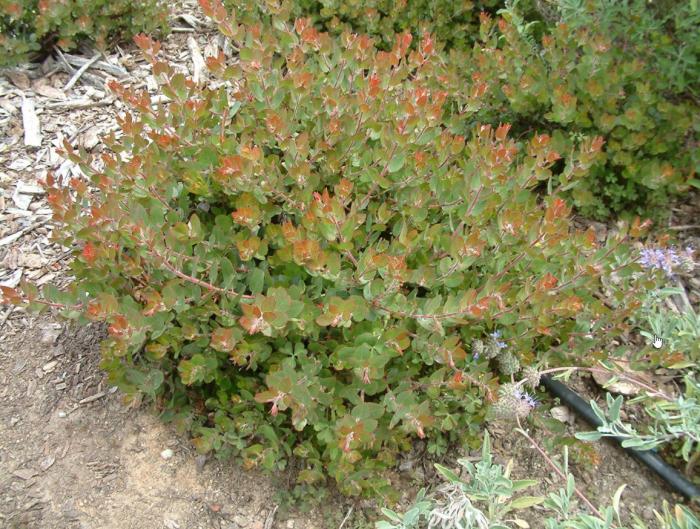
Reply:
x=21 y=200
x=30 y=189
x=91 y=138
x=31 y=260
x=189 y=20
x=32 y=127
x=20 y=164
x=50 y=366
x=46 y=463
x=25 y=473
x=75 y=60
x=19 y=79
x=43 y=88
x=198 y=63
x=92 y=398
x=80 y=72
x=14 y=278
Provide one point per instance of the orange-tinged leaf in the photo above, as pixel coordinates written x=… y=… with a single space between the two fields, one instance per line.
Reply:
x=548 y=282
x=89 y=252
x=222 y=339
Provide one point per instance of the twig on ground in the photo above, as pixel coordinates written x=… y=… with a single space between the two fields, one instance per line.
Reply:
x=270 y=518
x=5 y=316
x=80 y=72
x=342 y=524
x=77 y=104
x=556 y=469
x=30 y=121
x=13 y=237
x=64 y=60
x=685 y=227
x=92 y=398
x=78 y=61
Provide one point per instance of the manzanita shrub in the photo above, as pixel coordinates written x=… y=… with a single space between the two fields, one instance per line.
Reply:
x=581 y=82
x=602 y=75
x=30 y=27
x=455 y=23
x=295 y=260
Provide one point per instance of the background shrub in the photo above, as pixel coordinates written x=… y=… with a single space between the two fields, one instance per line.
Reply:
x=453 y=23
x=580 y=82
x=299 y=263
x=625 y=71
x=31 y=27
x=659 y=32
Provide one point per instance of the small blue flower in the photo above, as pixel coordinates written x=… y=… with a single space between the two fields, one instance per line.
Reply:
x=660 y=259
x=530 y=400
x=499 y=343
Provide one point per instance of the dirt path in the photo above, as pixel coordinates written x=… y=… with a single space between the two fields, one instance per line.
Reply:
x=64 y=464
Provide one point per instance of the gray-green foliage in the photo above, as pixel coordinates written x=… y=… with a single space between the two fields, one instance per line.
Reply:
x=672 y=419
x=487 y=498
x=679 y=330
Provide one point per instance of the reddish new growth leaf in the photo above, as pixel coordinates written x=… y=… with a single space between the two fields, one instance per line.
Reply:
x=548 y=282
x=120 y=327
x=502 y=131
x=252 y=319
x=149 y=46
x=10 y=295
x=427 y=44
x=556 y=210
x=214 y=9
x=89 y=253
x=230 y=166
x=222 y=339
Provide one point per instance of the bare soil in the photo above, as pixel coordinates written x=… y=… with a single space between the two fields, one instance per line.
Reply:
x=99 y=464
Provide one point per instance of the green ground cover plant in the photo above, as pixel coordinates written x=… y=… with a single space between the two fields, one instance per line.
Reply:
x=575 y=82
x=316 y=261
x=626 y=71
x=30 y=28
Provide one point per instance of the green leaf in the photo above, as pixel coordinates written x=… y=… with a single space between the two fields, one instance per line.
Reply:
x=447 y=473
x=228 y=274
x=256 y=279
x=197 y=370
x=391 y=515
x=588 y=436
x=397 y=162
x=521 y=484
x=616 y=498
x=614 y=410
x=523 y=502
x=152 y=382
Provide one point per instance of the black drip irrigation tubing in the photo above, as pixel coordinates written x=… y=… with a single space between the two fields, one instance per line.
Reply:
x=650 y=458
